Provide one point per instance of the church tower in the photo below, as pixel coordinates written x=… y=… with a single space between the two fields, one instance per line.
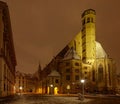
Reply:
x=88 y=36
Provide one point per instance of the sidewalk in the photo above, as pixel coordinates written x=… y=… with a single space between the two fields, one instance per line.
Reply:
x=92 y=96
x=7 y=98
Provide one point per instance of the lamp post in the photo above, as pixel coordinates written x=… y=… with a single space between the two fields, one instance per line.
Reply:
x=68 y=88
x=82 y=81
x=20 y=89
x=51 y=89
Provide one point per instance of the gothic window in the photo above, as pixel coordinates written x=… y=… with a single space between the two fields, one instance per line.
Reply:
x=100 y=73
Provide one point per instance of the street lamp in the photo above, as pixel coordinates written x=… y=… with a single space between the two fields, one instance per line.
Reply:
x=51 y=89
x=68 y=88
x=20 y=89
x=82 y=81
x=51 y=85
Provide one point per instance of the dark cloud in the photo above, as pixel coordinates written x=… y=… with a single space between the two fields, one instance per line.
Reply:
x=41 y=28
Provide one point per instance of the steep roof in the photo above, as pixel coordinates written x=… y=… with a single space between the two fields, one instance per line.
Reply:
x=54 y=73
x=71 y=54
x=62 y=52
x=100 y=52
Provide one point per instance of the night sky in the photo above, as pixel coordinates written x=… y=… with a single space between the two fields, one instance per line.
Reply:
x=42 y=28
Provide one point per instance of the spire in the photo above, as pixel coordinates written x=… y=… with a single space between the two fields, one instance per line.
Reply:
x=39 y=67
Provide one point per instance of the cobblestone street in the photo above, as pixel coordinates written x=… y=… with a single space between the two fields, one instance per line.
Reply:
x=38 y=99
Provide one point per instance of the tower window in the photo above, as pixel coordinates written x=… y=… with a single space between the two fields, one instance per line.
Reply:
x=88 y=20
x=91 y=19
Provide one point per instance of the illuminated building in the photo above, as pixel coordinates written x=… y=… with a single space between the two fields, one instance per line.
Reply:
x=25 y=83
x=82 y=58
x=7 y=53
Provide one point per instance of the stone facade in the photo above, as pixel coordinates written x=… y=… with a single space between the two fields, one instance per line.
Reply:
x=7 y=53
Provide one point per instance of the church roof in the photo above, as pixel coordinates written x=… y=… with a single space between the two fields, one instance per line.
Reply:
x=71 y=54
x=100 y=52
x=63 y=51
x=54 y=73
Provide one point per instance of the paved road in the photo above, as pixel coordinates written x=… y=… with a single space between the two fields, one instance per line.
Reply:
x=38 y=99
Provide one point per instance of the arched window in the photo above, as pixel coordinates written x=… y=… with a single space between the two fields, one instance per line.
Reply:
x=92 y=20
x=88 y=20
x=100 y=73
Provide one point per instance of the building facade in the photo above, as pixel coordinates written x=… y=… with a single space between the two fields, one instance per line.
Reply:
x=82 y=58
x=7 y=53
x=25 y=83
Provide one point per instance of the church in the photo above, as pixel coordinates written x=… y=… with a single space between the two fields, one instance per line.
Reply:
x=83 y=58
